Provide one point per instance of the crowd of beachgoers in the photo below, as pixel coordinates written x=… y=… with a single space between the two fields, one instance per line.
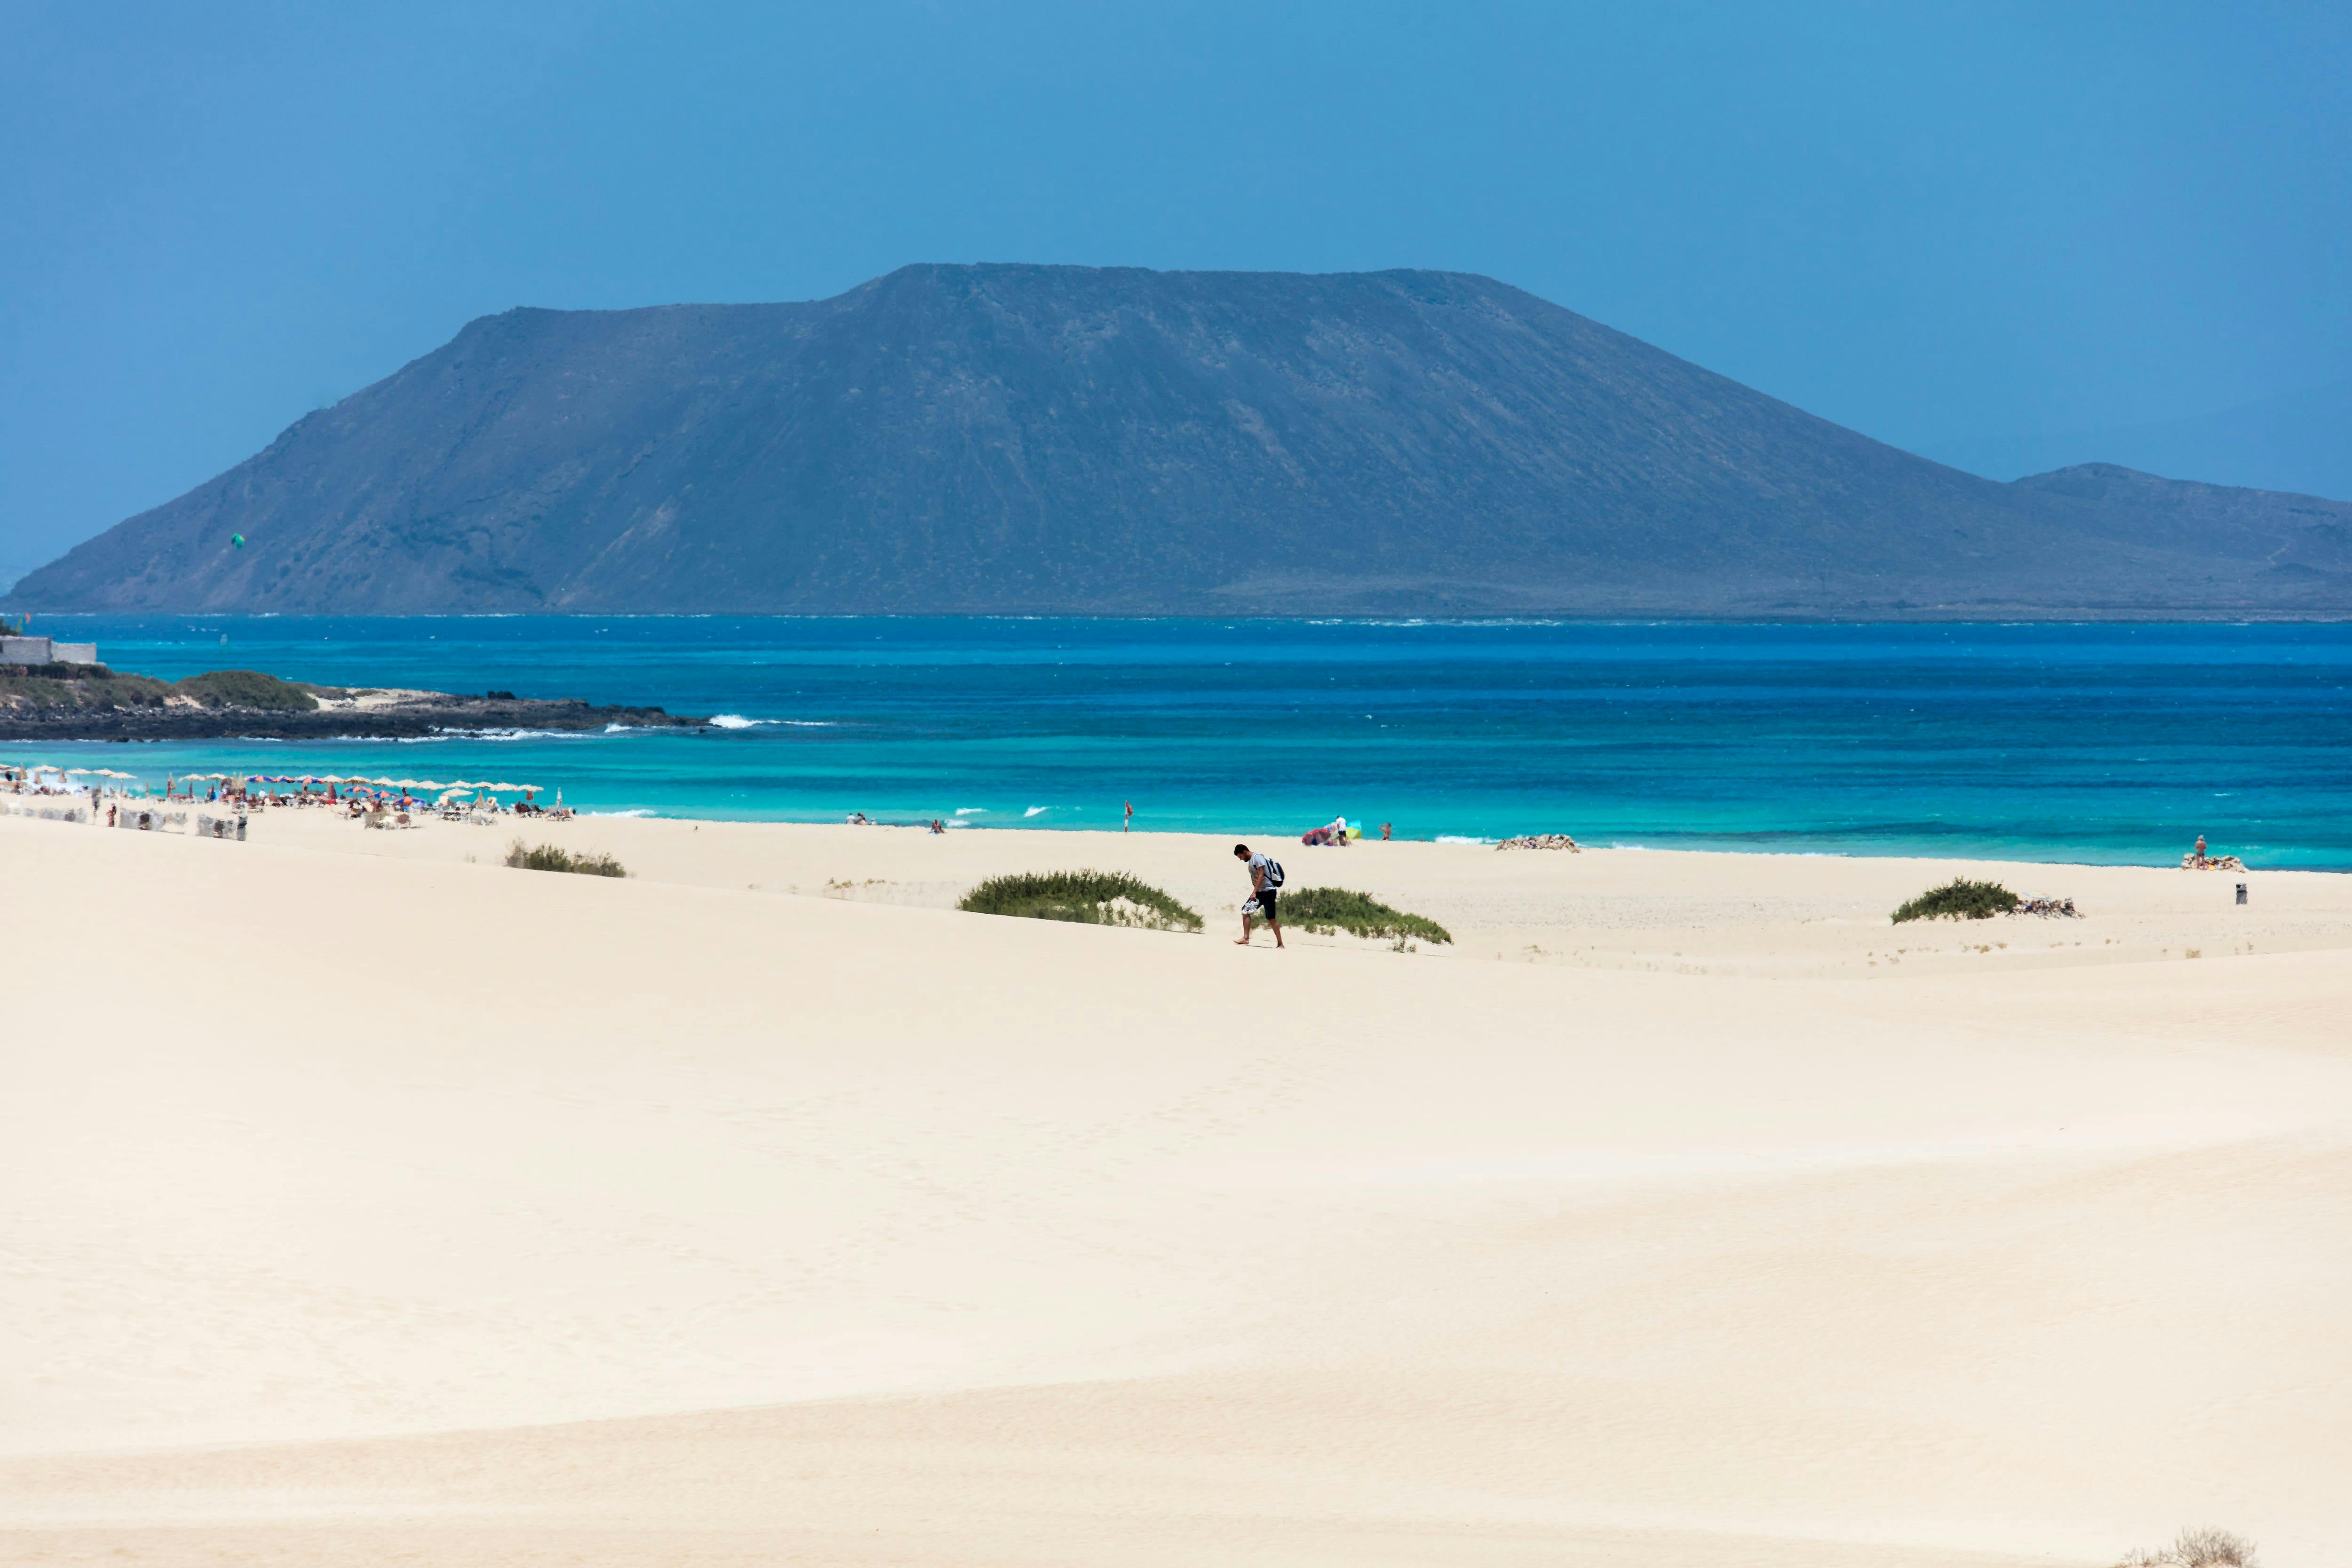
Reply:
x=109 y=798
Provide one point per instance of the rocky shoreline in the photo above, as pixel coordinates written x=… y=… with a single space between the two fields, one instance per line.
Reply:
x=371 y=714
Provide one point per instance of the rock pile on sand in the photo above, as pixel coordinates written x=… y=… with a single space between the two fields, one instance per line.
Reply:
x=2192 y=862
x=2047 y=907
x=1541 y=841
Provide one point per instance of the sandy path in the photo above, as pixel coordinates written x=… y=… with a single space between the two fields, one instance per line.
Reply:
x=990 y=1241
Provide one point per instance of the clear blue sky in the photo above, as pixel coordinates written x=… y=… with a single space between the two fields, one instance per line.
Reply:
x=1934 y=224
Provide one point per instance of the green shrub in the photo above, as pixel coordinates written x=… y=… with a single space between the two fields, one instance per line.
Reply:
x=1089 y=898
x=247 y=688
x=84 y=685
x=1959 y=900
x=1324 y=910
x=555 y=857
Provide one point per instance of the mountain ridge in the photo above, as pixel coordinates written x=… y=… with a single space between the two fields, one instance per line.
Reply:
x=1014 y=439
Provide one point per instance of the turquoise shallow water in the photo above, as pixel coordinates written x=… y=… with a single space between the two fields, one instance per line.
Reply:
x=2105 y=743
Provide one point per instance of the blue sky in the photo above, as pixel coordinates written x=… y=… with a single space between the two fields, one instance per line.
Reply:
x=1949 y=227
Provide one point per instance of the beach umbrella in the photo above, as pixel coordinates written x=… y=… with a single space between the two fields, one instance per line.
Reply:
x=509 y=788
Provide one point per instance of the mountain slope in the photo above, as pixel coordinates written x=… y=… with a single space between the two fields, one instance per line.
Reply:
x=2283 y=535
x=2293 y=442
x=1027 y=439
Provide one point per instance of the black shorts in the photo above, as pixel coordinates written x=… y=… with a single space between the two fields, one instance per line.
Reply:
x=1264 y=898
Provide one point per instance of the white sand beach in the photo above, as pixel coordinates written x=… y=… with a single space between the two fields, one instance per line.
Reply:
x=364 y=1200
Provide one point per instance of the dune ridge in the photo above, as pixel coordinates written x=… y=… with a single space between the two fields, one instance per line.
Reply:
x=363 y=1202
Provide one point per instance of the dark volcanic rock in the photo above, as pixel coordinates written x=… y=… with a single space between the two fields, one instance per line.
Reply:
x=406 y=714
x=1030 y=439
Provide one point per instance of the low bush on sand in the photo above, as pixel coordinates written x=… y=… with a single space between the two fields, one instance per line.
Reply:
x=246 y=688
x=1089 y=898
x=1959 y=900
x=82 y=686
x=1324 y=910
x=2206 y=1548
x=555 y=857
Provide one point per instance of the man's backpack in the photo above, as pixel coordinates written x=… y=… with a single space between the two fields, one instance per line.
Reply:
x=1273 y=872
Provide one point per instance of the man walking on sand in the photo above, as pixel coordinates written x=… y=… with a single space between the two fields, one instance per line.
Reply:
x=1265 y=888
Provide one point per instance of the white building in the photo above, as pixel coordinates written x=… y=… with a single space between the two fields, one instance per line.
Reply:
x=45 y=650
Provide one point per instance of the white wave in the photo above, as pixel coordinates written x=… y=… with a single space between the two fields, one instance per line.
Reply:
x=512 y=734
x=633 y=811
x=1458 y=839
x=736 y=721
x=1037 y=811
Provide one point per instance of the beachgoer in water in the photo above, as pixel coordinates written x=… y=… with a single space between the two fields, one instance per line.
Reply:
x=1129 y=826
x=1262 y=898
x=1384 y=833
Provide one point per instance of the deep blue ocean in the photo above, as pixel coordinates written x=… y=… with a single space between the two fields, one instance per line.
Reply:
x=2114 y=743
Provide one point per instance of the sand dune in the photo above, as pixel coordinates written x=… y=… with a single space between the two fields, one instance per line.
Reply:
x=362 y=1203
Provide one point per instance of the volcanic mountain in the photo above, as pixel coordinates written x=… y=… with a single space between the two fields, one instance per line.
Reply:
x=1017 y=439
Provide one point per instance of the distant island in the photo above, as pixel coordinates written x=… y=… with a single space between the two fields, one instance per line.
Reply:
x=92 y=702
x=1020 y=440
